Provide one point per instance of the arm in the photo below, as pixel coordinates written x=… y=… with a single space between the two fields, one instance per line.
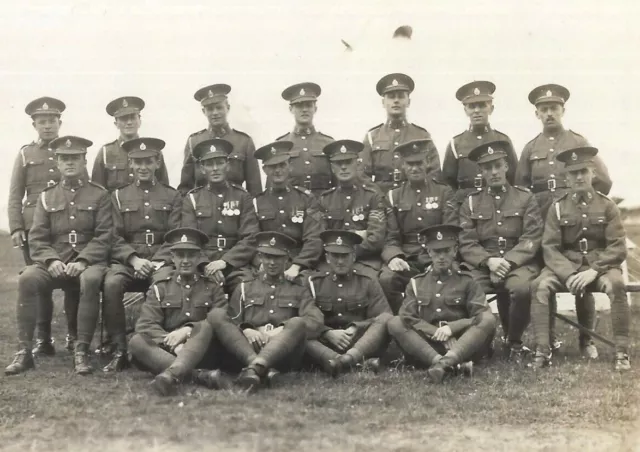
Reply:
x=366 y=165
x=378 y=305
x=523 y=170
x=188 y=214
x=120 y=250
x=188 y=173
x=470 y=248
x=450 y=167
x=16 y=193
x=252 y=177
x=309 y=312
x=410 y=314
x=616 y=250
x=450 y=214
x=97 y=250
x=393 y=239
x=98 y=173
x=151 y=316
x=552 y=247
x=476 y=307
x=40 y=236
x=242 y=252
x=175 y=218
x=529 y=242
x=433 y=161
x=311 y=244
x=376 y=228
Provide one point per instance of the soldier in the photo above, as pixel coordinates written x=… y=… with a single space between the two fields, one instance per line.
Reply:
x=111 y=168
x=584 y=245
x=354 y=307
x=500 y=238
x=143 y=212
x=458 y=171
x=309 y=166
x=380 y=161
x=242 y=166
x=420 y=202
x=34 y=170
x=171 y=320
x=444 y=320
x=288 y=209
x=222 y=210
x=70 y=241
x=354 y=206
x=269 y=317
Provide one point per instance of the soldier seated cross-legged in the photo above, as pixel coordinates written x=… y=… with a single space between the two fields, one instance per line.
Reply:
x=70 y=241
x=444 y=321
x=500 y=238
x=584 y=245
x=355 y=309
x=143 y=212
x=269 y=319
x=170 y=325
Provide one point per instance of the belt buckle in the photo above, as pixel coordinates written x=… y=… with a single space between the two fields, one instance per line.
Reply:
x=551 y=184
x=221 y=242
x=584 y=245
x=307 y=184
x=477 y=182
x=442 y=323
x=396 y=175
x=73 y=238
x=502 y=243
x=149 y=238
x=268 y=327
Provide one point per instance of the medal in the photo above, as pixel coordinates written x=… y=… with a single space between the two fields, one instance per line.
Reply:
x=236 y=212
x=435 y=205
x=355 y=217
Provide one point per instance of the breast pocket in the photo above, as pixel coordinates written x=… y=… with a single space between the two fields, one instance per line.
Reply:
x=326 y=306
x=235 y=167
x=37 y=171
x=87 y=214
x=201 y=307
x=597 y=222
x=357 y=307
x=161 y=212
x=289 y=304
x=455 y=306
x=512 y=223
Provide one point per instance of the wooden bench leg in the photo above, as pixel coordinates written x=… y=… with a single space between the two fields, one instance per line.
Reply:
x=584 y=329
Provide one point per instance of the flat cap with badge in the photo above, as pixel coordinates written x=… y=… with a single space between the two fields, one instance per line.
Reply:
x=143 y=147
x=45 y=106
x=274 y=153
x=302 y=92
x=70 y=145
x=476 y=91
x=395 y=82
x=339 y=240
x=343 y=150
x=186 y=239
x=488 y=152
x=549 y=93
x=441 y=236
x=275 y=243
x=414 y=150
x=577 y=158
x=212 y=94
x=211 y=149
x=123 y=106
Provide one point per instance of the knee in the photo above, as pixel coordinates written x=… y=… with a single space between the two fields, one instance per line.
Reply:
x=395 y=326
x=384 y=318
x=295 y=324
x=113 y=283
x=386 y=278
x=520 y=294
x=217 y=316
x=138 y=345
x=30 y=277
x=542 y=291
x=90 y=281
x=487 y=321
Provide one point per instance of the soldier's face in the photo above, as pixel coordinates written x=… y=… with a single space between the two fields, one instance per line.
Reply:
x=341 y=263
x=144 y=168
x=185 y=261
x=580 y=179
x=128 y=125
x=273 y=265
x=479 y=112
x=345 y=170
x=550 y=114
x=442 y=258
x=47 y=126
x=303 y=112
x=396 y=103
x=495 y=172
x=415 y=171
x=217 y=113
x=71 y=165
x=279 y=173
x=215 y=169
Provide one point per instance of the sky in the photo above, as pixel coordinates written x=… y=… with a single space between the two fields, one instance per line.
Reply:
x=87 y=53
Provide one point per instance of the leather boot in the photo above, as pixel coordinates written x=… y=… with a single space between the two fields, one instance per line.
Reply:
x=164 y=384
x=81 y=360
x=212 y=379
x=248 y=379
x=44 y=347
x=120 y=360
x=22 y=361
x=70 y=343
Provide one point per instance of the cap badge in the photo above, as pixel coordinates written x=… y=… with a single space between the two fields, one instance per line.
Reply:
x=574 y=156
x=273 y=151
x=394 y=82
x=439 y=235
x=415 y=147
x=68 y=143
x=143 y=147
x=343 y=149
x=339 y=241
x=213 y=148
x=210 y=93
x=490 y=150
x=302 y=92
x=548 y=93
x=125 y=104
x=272 y=242
x=476 y=91
x=45 y=106
x=183 y=239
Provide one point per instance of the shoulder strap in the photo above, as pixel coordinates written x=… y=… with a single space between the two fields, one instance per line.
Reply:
x=391 y=197
x=117 y=193
x=255 y=204
x=370 y=138
x=312 y=287
x=43 y=197
x=453 y=147
x=558 y=210
x=24 y=159
x=190 y=145
x=413 y=286
x=471 y=203
x=104 y=155
x=157 y=292
x=193 y=200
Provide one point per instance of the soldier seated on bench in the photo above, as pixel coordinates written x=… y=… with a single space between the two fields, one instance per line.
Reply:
x=583 y=246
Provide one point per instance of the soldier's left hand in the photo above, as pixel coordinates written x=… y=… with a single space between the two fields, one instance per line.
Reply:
x=177 y=337
x=442 y=334
x=292 y=272
x=75 y=268
x=214 y=270
x=583 y=279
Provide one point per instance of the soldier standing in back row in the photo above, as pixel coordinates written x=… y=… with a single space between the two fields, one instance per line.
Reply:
x=242 y=166
x=34 y=170
x=310 y=168
x=70 y=241
x=458 y=171
x=380 y=161
x=111 y=166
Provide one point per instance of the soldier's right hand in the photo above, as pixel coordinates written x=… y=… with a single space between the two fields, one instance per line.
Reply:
x=499 y=266
x=338 y=338
x=398 y=265
x=255 y=338
x=57 y=269
x=18 y=238
x=141 y=266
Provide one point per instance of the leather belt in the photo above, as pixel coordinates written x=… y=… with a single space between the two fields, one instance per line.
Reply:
x=412 y=239
x=549 y=185
x=74 y=238
x=466 y=184
x=144 y=238
x=221 y=242
x=584 y=245
x=387 y=175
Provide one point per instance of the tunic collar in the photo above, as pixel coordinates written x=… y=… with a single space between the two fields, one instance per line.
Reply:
x=146 y=183
x=279 y=189
x=396 y=123
x=307 y=130
x=72 y=184
x=553 y=134
x=493 y=191
x=217 y=188
x=265 y=278
x=481 y=129
x=187 y=281
x=582 y=197
x=219 y=131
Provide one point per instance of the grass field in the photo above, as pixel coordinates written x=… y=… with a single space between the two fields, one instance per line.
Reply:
x=576 y=405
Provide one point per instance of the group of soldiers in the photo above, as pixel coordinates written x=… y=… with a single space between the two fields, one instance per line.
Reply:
x=351 y=245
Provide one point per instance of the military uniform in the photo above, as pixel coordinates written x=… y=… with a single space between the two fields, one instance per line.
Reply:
x=503 y=223
x=380 y=161
x=412 y=209
x=310 y=168
x=538 y=168
x=433 y=300
x=462 y=174
x=242 y=168
x=111 y=166
x=224 y=212
x=263 y=304
x=72 y=223
x=142 y=213
x=582 y=231
x=355 y=300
